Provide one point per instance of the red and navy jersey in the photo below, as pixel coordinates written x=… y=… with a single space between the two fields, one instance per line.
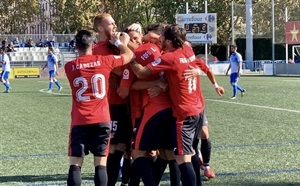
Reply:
x=187 y=99
x=145 y=54
x=88 y=78
x=105 y=48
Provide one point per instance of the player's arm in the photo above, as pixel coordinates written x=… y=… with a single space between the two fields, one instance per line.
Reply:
x=139 y=70
x=123 y=92
x=56 y=67
x=141 y=85
x=240 y=61
x=4 y=60
x=194 y=72
x=46 y=64
x=228 y=69
x=121 y=40
x=126 y=82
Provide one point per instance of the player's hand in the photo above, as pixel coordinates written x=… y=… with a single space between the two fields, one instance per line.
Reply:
x=220 y=91
x=121 y=36
x=136 y=27
x=124 y=38
x=162 y=84
x=191 y=73
x=154 y=91
x=57 y=73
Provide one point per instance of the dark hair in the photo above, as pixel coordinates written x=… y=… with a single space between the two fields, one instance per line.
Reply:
x=175 y=34
x=83 y=39
x=156 y=27
x=51 y=49
x=3 y=48
x=233 y=46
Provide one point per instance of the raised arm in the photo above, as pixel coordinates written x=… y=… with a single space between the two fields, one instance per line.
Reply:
x=120 y=40
x=194 y=72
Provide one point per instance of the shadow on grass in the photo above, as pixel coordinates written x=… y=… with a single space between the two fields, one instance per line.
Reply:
x=60 y=179
x=234 y=182
x=41 y=178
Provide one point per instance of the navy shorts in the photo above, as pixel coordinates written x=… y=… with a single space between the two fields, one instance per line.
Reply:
x=184 y=134
x=92 y=138
x=234 y=78
x=154 y=131
x=121 y=131
x=203 y=122
x=4 y=75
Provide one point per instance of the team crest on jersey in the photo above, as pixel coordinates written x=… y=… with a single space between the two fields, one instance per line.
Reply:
x=156 y=62
x=126 y=74
x=117 y=57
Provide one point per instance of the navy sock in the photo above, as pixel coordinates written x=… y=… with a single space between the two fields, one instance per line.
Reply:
x=126 y=170
x=174 y=173
x=206 y=151
x=74 y=176
x=50 y=85
x=113 y=167
x=134 y=176
x=6 y=85
x=152 y=160
x=188 y=177
x=196 y=166
x=234 y=89
x=57 y=84
x=239 y=88
x=100 y=177
x=159 y=168
x=144 y=169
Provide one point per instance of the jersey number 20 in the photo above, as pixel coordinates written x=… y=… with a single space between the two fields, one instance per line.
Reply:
x=98 y=94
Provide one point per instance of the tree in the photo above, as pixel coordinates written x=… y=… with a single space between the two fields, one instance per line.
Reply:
x=72 y=15
x=15 y=15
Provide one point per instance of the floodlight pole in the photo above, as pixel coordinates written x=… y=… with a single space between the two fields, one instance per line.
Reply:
x=232 y=22
x=273 y=31
x=206 y=46
x=249 y=32
x=286 y=45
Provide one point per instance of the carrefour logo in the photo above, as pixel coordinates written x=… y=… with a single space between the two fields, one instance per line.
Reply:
x=189 y=19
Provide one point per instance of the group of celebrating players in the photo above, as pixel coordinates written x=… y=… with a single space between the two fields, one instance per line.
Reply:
x=138 y=97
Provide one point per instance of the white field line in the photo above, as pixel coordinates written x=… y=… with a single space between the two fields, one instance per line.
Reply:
x=54 y=93
x=45 y=82
x=257 y=106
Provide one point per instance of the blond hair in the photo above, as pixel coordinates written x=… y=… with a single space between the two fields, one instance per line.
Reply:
x=99 y=19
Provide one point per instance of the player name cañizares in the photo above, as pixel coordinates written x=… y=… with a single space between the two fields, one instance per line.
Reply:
x=187 y=60
x=86 y=65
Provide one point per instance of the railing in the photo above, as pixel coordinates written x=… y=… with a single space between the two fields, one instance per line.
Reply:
x=23 y=38
x=260 y=67
x=32 y=57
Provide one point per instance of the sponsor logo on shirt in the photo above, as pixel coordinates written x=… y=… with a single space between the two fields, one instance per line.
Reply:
x=117 y=57
x=156 y=62
x=126 y=74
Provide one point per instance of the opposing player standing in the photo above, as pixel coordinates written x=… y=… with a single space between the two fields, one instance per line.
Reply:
x=52 y=64
x=90 y=118
x=235 y=65
x=4 y=60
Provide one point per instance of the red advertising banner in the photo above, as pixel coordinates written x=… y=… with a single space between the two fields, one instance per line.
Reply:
x=292 y=32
